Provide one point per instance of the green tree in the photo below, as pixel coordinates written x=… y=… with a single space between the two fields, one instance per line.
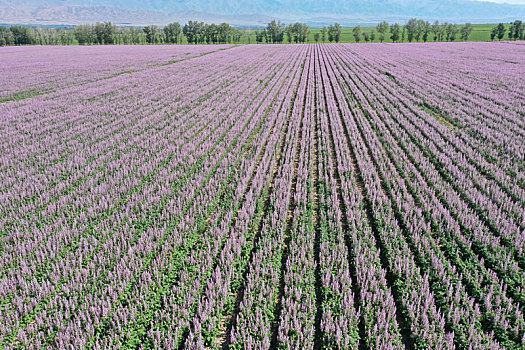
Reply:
x=316 y=37
x=22 y=35
x=510 y=33
x=466 y=31
x=109 y=31
x=420 y=28
x=357 y=33
x=382 y=29
x=83 y=34
x=40 y=36
x=6 y=37
x=493 y=33
x=520 y=29
x=210 y=33
x=411 y=28
x=436 y=30
x=65 y=36
x=516 y=30
x=500 y=30
x=134 y=34
x=275 y=31
x=334 y=32
x=301 y=32
x=172 y=33
x=99 y=33
x=104 y=33
x=297 y=28
x=443 y=31
x=305 y=33
x=324 y=33
x=395 y=29
x=372 y=35
x=289 y=33
x=337 y=32
x=193 y=31
x=225 y=32
x=151 y=34
x=426 y=30
x=259 y=36
x=453 y=29
x=331 y=33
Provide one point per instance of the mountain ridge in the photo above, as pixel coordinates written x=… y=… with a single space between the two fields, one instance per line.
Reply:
x=253 y=13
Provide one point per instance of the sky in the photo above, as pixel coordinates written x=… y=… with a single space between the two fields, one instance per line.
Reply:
x=256 y=12
x=515 y=2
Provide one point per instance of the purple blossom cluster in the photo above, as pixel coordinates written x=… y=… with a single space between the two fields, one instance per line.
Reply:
x=262 y=197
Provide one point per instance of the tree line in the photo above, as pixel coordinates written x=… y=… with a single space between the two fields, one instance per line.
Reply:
x=109 y=34
x=196 y=32
x=275 y=33
x=419 y=30
x=515 y=32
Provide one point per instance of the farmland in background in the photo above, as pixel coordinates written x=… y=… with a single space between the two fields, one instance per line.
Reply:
x=331 y=196
x=480 y=32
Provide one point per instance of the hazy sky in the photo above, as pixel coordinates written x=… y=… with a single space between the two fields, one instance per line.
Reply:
x=348 y=12
x=516 y=2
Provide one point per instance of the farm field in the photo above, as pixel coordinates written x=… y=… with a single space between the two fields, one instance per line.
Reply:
x=30 y=72
x=480 y=32
x=317 y=196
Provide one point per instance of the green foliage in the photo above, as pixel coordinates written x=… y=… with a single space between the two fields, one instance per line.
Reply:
x=426 y=30
x=334 y=32
x=411 y=28
x=192 y=30
x=493 y=33
x=516 y=30
x=6 y=37
x=105 y=33
x=260 y=35
x=451 y=31
x=466 y=31
x=357 y=33
x=382 y=29
x=99 y=33
x=152 y=34
x=299 y=33
x=22 y=35
x=324 y=33
x=499 y=31
x=436 y=29
x=201 y=33
x=395 y=30
x=172 y=33
x=275 y=32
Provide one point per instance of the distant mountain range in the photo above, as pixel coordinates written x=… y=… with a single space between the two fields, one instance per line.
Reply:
x=252 y=12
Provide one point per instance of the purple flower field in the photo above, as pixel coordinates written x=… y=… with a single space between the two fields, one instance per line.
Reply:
x=30 y=71
x=345 y=196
